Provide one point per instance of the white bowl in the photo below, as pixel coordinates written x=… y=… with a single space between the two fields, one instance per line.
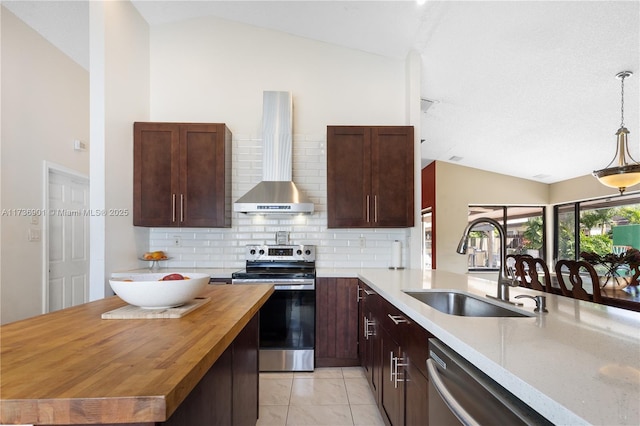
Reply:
x=150 y=292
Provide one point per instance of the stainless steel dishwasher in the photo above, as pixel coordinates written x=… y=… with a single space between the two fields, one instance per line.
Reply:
x=459 y=393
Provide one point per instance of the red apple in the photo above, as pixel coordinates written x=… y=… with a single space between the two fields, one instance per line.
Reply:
x=172 y=277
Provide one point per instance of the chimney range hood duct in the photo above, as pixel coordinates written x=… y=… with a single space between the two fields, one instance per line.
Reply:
x=276 y=194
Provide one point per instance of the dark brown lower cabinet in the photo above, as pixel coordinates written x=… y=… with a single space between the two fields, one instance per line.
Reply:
x=393 y=353
x=369 y=349
x=416 y=392
x=245 y=375
x=210 y=402
x=336 y=322
x=392 y=384
x=228 y=393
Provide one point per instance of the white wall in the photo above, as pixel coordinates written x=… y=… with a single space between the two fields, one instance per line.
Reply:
x=211 y=70
x=582 y=188
x=45 y=106
x=126 y=100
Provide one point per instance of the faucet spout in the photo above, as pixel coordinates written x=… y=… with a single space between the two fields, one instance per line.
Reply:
x=503 y=281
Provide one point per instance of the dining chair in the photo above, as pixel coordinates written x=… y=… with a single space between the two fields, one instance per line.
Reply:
x=534 y=273
x=634 y=275
x=573 y=271
x=511 y=261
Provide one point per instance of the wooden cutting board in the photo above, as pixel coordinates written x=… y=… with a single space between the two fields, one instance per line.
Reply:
x=136 y=312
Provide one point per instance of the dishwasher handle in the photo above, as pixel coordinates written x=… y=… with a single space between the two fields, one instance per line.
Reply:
x=462 y=414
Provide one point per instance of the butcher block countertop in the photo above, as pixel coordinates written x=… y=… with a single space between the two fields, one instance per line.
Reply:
x=72 y=367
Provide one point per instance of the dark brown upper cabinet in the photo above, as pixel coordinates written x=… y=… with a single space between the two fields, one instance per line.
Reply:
x=370 y=176
x=182 y=175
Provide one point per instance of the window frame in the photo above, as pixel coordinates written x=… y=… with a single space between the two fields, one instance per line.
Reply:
x=503 y=220
x=594 y=204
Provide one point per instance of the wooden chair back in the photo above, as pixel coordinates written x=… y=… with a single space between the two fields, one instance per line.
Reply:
x=534 y=273
x=571 y=270
x=512 y=266
x=635 y=275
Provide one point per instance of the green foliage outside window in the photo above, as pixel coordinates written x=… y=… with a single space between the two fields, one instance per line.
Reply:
x=566 y=239
x=533 y=234
x=592 y=219
x=602 y=219
x=600 y=244
x=632 y=214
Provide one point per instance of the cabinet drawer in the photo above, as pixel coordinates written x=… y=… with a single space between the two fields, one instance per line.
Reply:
x=410 y=335
x=415 y=345
x=392 y=319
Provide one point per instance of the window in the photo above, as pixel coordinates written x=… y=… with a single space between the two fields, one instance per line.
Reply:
x=606 y=225
x=525 y=233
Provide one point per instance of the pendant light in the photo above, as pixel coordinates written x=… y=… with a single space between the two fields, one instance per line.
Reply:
x=626 y=171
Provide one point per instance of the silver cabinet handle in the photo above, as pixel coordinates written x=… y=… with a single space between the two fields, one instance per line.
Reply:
x=455 y=407
x=181 y=207
x=368 y=292
x=369 y=328
x=391 y=359
x=375 y=208
x=398 y=376
x=397 y=319
x=368 y=209
x=173 y=207
x=396 y=362
x=365 y=328
x=365 y=332
x=358 y=297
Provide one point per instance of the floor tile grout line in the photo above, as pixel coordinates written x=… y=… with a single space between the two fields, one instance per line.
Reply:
x=343 y=379
x=286 y=418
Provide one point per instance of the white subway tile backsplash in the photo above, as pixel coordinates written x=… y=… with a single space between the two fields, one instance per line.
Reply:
x=224 y=248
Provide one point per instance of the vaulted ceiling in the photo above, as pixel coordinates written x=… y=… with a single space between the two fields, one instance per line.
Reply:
x=523 y=88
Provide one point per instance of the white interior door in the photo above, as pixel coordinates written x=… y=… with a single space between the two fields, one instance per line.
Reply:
x=68 y=240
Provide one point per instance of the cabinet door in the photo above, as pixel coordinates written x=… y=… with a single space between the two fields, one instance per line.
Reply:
x=203 y=192
x=392 y=383
x=348 y=176
x=363 y=330
x=370 y=350
x=392 y=176
x=336 y=322
x=246 y=375
x=182 y=175
x=370 y=178
x=210 y=402
x=416 y=396
x=156 y=174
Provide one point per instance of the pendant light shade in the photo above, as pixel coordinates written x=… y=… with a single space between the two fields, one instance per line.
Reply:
x=623 y=171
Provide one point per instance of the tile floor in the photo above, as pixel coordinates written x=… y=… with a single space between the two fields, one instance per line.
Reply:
x=325 y=397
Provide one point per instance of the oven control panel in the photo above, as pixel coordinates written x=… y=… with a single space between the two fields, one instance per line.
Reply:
x=281 y=252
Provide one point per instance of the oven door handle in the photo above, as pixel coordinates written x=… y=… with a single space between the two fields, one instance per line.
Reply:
x=291 y=284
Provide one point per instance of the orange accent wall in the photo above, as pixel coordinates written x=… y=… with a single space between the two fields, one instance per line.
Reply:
x=429 y=186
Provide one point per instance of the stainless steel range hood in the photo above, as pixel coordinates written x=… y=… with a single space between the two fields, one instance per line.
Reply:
x=276 y=194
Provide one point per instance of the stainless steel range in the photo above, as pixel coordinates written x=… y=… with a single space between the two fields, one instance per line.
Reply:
x=287 y=319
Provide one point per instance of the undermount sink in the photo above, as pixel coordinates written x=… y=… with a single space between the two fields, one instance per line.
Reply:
x=463 y=304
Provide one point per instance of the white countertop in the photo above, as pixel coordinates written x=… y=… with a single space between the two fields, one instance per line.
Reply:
x=577 y=364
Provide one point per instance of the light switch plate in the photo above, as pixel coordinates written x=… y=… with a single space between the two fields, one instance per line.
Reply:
x=34 y=234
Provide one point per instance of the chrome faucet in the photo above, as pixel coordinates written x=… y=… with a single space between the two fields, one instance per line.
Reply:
x=504 y=282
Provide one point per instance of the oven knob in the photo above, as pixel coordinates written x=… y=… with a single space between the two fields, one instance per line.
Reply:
x=299 y=252
x=261 y=252
x=307 y=252
x=252 y=252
